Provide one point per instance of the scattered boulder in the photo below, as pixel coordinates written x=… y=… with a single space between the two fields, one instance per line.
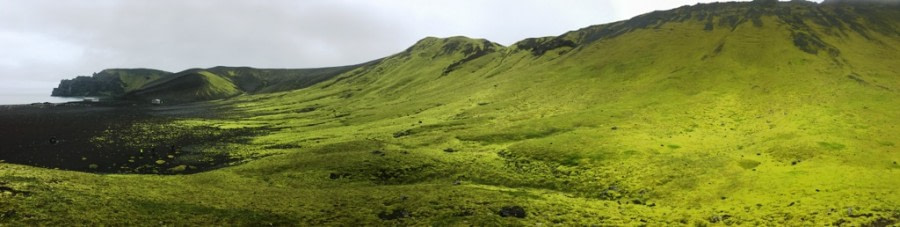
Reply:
x=882 y=222
x=512 y=211
x=719 y=218
x=335 y=176
x=402 y=133
x=178 y=169
x=307 y=109
x=6 y=190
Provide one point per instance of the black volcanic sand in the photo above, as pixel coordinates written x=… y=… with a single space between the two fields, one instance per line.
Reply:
x=64 y=136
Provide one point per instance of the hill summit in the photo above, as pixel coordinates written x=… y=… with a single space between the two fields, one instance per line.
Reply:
x=737 y=113
x=811 y=27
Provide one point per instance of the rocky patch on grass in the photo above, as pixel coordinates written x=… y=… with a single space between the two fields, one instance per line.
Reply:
x=9 y=191
x=512 y=211
x=114 y=139
x=402 y=133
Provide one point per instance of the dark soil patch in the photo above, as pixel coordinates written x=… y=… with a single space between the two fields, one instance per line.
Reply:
x=335 y=176
x=395 y=214
x=105 y=139
x=13 y=191
x=881 y=222
x=512 y=211
x=539 y=46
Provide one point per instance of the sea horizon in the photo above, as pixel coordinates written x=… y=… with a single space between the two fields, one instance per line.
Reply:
x=20 y=99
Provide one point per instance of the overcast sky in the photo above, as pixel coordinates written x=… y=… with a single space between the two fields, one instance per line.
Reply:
x=43 y=41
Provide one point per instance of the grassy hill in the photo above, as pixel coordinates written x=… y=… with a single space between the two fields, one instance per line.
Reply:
x=109 y=82
x=756 y=113
x=189 y=86
x=194 y=85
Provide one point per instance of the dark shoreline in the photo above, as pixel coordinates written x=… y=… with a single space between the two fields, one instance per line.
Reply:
x=99 y=137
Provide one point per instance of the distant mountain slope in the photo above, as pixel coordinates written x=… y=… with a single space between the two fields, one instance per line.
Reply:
x=189 y=86
x=811 y=28
x=253 y=80
x=719 y=47
x=109 y=82
x=701 y=109
x=194 y=84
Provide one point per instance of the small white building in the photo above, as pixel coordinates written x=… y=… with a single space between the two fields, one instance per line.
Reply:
x=91 y=99
x=156 y=102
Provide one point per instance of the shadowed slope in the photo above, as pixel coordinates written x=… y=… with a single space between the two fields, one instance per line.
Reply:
x=189 y=86
x=195 y=84
x=109 y=82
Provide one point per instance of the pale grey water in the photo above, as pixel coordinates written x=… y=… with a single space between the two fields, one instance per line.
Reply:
x=13 y=99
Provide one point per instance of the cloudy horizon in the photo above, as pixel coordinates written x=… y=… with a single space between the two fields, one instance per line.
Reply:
x=45 y=41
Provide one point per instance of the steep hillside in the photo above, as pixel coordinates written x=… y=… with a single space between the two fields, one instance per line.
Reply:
x=719 y=113
x=253 y=80
x=194 y=84
x=109 y=82
x=754 y=113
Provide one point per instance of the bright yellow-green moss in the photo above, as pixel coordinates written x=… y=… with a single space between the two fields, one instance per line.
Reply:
x=667 y=125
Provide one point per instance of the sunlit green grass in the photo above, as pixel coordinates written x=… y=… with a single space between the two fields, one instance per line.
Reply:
x=654 y=126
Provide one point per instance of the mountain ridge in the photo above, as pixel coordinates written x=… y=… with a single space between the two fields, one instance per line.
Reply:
x=753 y=113
x=832 y=15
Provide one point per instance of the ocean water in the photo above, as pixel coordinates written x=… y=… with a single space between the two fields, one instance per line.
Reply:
x=14 y=99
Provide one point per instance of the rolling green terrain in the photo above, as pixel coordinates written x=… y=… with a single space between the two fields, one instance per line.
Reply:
x=109 y=82
x=194 y=85
x=754 y=113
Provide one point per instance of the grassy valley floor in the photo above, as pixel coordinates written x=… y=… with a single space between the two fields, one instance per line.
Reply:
x=778 y=114
x=570 y=169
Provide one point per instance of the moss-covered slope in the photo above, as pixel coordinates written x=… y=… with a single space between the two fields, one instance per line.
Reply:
x=109 y=82
x=210 y=84
x=760 y=113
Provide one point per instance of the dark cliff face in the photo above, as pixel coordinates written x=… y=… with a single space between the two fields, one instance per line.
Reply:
x=88 y=86
x=131 y=83
x=109 y=82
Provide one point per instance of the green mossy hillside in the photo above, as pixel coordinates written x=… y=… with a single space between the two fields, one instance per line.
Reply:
x=146 y=84
x=108 y=83
x=747 y=113
x=189 y=86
